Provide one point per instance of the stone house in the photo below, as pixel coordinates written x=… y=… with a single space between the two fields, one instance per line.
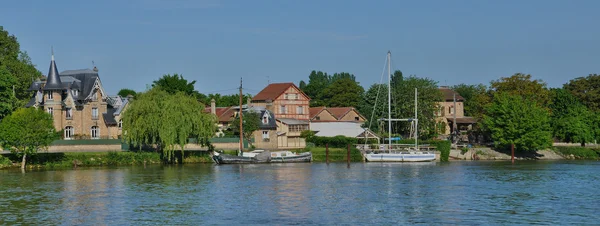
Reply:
x=78 y=104
x=447 y=111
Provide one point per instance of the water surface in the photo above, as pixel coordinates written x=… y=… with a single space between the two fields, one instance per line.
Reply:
x=542 y=192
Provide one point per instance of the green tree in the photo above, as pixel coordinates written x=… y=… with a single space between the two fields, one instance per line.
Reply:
x=403 y=105
x=8 y=100
x=250 y=124
x=175 y=83
x=473 y=106
x=25 y=131
x=374 y=106
x=512 y=119
x=166 y=120
x=343 y=92
x=317 y=82
x=19 y=65
x=522 y=85
x=571 y=120
x=587 y=90
x=127 y=92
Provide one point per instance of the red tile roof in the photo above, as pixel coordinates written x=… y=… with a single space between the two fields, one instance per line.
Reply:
x=314 y=111
x=448 y=94
x=274 y=90
x=225 y=114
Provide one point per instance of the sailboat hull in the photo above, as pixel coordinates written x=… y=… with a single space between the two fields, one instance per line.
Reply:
x=400 y=157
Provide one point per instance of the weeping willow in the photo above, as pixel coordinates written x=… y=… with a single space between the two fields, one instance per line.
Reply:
x=166 y=121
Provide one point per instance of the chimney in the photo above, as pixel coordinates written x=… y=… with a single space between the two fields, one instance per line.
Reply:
x=213 y=108
x=95 y=69
x=269 y=105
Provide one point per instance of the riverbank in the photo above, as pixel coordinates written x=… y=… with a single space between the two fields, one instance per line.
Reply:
x=555 y=153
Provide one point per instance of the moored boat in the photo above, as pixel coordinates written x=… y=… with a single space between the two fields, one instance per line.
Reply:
x=220 y=158
x=283 y=156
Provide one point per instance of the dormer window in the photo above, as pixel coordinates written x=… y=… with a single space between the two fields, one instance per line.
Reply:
x=75 y=92
x=265 y=119
x=50 y=95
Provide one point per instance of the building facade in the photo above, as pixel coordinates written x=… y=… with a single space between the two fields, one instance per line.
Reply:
x=78 y=104
x=450 y=108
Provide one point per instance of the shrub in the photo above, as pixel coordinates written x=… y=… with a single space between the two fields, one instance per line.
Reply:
x=579 y=152
x=444 y=148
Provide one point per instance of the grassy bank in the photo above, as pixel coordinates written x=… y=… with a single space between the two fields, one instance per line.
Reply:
x=83 y=159
x=578 y=152
x=335 y=154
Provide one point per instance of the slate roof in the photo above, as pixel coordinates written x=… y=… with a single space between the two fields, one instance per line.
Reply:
x=274 y=90
x=448 y=94
x=109 y=117
x=53 y=82
x=291 y=121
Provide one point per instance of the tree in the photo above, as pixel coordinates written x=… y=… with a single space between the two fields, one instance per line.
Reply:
x=25 y=131
x=19 y=65
x=512 y=119
x=473 y=105
x=522 y=85
x=250 y=124
x=403 y=106
x=571 y=120
x=127 y=92
x=587 y=90
x=166 y=120
x=8 y=100
x=175 y=83
x=374 y=105
x=317 y=82
x=343 y=92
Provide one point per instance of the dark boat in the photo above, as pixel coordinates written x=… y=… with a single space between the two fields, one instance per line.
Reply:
x=283 y=156
x=221 y=158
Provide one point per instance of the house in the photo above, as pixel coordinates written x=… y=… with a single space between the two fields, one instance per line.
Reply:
x=447 y=112
x=344 y=121
x=78 y=103
x=290 y=108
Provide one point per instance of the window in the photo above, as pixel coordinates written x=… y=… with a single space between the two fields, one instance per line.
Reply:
x=50 y=111
x=121 y=124
x=265 y=135
x=95 y=132
x=69 y=131
x=356 y=118
x=318 y=118
x=286 y=96
x=299 y=110
x=298 y=128
x=265 y=119
x=451 y=110
x=69 y=113
x=75 y=92
x=94 y=113
x=95 y=95
x=50 y=95
x=282 y=110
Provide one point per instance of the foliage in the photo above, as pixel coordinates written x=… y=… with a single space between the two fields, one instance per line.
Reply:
x=579 y=152
x=571 y=120
x=335 y=154
x=166 y=120
x=516 y=120
x=444 y=148
x=343 y=93
x=472 y=104
x=225 y=100
x=8 y=100
x=374 y=106
x=587 y=90
x=175 y=83
x=522 y=85
x=250 y=124
x=5 y=162
x=335 y=142
x=127 y=92
x=403 y=106
x=322 y=93
x=26 y=130
x=19 y=65
x=307 y=134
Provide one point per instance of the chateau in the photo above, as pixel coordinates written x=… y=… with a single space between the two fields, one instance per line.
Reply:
x=78 y=104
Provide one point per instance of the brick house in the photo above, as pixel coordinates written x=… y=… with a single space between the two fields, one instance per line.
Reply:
x=78 y=104
x=446 y=112
x=290 y=108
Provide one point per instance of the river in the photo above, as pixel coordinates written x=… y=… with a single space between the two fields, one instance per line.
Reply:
x=462 y=192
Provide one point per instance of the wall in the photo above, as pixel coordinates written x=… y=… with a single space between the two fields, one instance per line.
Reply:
x=291 y=105
x=351 y=117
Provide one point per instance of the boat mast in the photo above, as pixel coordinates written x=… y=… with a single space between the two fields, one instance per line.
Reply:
x=416 y=124
x=241 y=128
x=389 y=101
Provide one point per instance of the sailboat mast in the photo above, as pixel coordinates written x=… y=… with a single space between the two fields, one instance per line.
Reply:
x=241 y=120
x=389 y=101
x=416 y=124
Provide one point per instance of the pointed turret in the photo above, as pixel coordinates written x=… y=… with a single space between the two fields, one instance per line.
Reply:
x=53 y=80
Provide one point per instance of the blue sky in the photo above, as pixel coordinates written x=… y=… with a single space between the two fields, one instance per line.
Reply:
x=216 y=42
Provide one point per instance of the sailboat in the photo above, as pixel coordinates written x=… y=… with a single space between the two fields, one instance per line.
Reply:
x=396 y=154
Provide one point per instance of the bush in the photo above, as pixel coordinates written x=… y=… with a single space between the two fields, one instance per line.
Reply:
x=579 y=152
x=5 y=162
x=444 y=148
x=333 y=142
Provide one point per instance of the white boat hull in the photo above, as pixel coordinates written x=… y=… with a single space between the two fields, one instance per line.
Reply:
x=400 y=157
